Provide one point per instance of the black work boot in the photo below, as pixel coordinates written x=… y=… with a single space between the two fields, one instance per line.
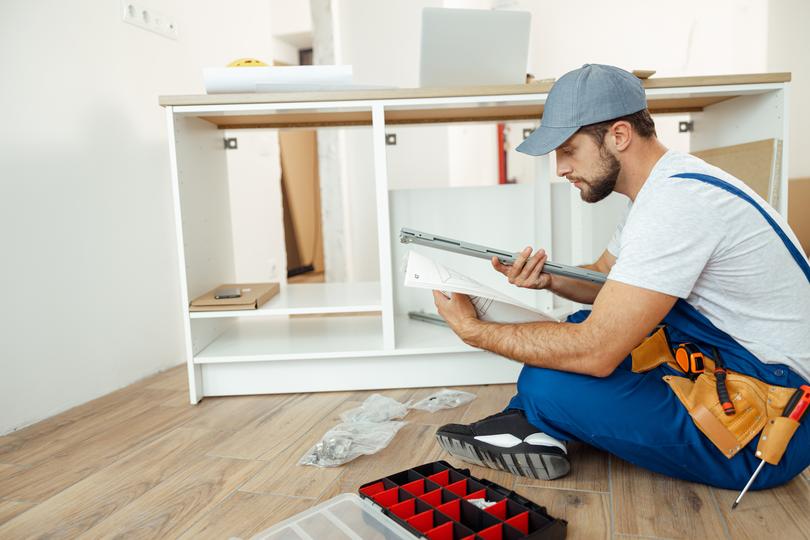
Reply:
x=508 y=442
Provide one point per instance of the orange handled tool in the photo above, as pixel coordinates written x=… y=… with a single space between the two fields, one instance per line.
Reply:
x=798 y=404
x=722 y=390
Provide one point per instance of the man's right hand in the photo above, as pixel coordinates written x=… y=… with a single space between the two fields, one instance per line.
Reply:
x=527 y=271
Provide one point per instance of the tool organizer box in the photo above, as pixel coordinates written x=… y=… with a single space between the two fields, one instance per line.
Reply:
x=432 y=501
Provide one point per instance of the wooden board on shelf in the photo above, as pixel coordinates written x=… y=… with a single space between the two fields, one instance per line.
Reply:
x=798 y=217
x=433 y=115
x=415 y=93
x=757 y=163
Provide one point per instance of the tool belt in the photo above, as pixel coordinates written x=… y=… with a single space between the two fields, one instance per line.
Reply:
x=758 y=405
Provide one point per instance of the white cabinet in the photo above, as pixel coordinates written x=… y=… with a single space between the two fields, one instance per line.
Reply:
x=294 y=343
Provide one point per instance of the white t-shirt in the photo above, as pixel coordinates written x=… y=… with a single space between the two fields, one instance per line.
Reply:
x=698 y=242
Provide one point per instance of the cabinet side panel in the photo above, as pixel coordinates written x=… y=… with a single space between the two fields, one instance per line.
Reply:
x=203 y=177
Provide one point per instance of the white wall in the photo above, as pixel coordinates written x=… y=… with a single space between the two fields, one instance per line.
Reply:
x=788 y=43
x=88 y=265
x=381 y=41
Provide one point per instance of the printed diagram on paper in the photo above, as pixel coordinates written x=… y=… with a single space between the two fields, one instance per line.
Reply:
x=491 y=305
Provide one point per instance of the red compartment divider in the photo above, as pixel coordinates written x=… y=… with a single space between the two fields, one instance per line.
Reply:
x=386 y=498
x=441 y=478
x=417 y=487
x=422 y=522
x=405 y=509
x=433 y=498
x=442 y=532
x=492 y=533
x=498 y=509
x=480 y=494
x=372 y=489
x=520 y=522
x=451 y=508
x=459 y=488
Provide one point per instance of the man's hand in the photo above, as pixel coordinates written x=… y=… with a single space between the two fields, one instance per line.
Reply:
x=527 y=271
x=458 y=311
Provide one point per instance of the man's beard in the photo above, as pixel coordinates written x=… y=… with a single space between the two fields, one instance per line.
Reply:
x=603 y=185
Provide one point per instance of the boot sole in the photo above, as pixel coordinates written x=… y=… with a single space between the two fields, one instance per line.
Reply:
x=523 y=460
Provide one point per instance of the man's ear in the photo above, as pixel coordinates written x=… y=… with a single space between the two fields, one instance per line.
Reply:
x=621 y=134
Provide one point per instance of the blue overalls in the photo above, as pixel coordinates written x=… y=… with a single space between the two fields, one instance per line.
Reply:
x=638 y=418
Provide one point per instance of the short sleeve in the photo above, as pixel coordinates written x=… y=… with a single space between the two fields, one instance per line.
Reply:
x=615 y=241
x=668 y=239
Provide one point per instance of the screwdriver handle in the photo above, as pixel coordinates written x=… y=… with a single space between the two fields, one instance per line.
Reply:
x=722 y=389
x=797 y=406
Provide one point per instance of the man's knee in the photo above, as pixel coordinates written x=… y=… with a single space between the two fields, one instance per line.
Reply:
x=540 y=385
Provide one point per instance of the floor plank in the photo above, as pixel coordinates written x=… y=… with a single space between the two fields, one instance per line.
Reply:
x=780 y=512
x=589 y=471
x=650 y=504
x=282 y=474
x=45 y=480
x=166 y=510
x=234 y=412
x=11 y=509
x=274 y=431
x=71 y=433
x=490 y=399
x=142 y=462
x=91 y=500
x=243 y=515
x=588 y=514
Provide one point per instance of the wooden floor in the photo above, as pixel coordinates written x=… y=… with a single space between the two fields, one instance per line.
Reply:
x=141 y=462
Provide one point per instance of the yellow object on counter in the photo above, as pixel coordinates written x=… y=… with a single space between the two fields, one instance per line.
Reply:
x=247 y=62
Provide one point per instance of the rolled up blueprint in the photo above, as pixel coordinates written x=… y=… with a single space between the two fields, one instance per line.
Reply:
x=225 y=80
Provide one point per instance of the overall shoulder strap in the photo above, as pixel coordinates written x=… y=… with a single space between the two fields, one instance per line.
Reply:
x=734 y=190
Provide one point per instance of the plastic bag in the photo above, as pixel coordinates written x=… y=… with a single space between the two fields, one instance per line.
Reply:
x=376 y=408
x=350 y=440
x=483 y=504
x=443 y=399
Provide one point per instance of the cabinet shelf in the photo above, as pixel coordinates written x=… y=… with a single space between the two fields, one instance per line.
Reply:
x=281 y=338
x=311 y=299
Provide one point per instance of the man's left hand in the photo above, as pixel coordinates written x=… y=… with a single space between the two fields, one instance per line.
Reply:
x=458 y=311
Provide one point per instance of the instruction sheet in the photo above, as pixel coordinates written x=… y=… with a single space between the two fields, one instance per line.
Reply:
x=424 y=273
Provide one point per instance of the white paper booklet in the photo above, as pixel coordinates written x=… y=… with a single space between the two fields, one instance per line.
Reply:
x=491 y=305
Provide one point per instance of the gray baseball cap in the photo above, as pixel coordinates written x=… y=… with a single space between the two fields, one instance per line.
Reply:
x=593 y=93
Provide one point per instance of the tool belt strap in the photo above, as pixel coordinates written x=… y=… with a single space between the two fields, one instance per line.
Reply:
x=758 y=405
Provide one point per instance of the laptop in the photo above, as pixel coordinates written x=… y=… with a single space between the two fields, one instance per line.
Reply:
x=473 y=47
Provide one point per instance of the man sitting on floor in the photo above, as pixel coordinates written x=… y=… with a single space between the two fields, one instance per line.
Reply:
x=697 y=251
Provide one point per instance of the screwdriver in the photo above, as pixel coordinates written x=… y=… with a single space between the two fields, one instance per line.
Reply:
x=720 y=375
x=796 y=408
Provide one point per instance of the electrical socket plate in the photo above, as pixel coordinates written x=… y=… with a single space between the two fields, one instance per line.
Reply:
x=143 y=16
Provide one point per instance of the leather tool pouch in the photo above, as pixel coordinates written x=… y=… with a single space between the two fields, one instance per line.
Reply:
x=653 y=351
x=775 y=437
x=758 y=404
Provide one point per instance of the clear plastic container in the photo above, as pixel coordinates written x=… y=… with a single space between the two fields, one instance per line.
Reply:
x=344 y=517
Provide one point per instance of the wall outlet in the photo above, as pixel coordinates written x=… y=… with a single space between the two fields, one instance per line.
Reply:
x=143 y=16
